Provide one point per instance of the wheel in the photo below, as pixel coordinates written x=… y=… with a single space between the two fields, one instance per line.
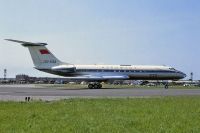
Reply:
x=96 y=86
x=90 y=86
x=99 y=86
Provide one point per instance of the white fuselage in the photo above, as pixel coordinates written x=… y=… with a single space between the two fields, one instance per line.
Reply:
x=106 y=72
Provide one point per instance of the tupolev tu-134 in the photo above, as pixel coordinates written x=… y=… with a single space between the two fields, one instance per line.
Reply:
x=45 y=61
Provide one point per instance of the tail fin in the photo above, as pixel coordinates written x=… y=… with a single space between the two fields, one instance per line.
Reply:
x=41 y=56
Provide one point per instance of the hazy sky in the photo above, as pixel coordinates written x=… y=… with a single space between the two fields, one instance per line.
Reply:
x=145 y=32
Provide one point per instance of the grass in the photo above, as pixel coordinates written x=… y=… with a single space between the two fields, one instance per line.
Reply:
x=110 y=86
x=140 y=115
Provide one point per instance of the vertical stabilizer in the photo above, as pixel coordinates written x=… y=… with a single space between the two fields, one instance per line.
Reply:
x=41 y=56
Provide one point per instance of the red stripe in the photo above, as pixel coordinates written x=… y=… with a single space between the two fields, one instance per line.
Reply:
x=44 y=51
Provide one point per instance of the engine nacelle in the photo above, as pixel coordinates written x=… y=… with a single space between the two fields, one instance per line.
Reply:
x=65 y=68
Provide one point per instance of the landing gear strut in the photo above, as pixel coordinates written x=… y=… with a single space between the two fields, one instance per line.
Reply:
x=166 y=86
x=95 y=86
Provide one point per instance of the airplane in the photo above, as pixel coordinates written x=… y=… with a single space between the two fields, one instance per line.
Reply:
x=45 y=61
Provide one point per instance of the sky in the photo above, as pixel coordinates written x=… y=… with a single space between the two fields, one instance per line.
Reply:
x=137 y=32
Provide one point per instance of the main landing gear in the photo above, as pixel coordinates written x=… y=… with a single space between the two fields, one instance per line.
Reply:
x=166 y=86
x=94 y=86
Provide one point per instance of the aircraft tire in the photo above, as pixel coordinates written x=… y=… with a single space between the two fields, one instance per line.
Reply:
x=99 y=86
x=96 y=86
x=91 y=86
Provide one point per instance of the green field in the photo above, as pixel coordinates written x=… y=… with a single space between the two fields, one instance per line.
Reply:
x=110 y=86
x=137 y=115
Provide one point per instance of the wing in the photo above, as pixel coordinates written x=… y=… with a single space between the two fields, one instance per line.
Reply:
x=100 y=78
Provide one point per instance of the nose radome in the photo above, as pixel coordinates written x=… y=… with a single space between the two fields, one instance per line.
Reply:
x=183 y=75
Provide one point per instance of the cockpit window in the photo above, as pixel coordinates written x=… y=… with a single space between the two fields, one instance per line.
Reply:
x=172 y=69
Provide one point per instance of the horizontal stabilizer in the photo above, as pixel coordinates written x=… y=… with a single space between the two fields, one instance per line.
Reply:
x=27 y=44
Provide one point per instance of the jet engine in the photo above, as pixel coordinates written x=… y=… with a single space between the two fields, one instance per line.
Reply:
x=64 y=68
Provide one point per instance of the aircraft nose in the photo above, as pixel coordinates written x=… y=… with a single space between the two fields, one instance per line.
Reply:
x=182 y=75
x=185 y=75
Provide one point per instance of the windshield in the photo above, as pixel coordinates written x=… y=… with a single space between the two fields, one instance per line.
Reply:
x=171 y=68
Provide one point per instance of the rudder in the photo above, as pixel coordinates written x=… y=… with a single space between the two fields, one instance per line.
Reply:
x=42 y=57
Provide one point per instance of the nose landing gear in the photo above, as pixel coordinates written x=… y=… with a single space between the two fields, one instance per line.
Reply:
x=94 y=85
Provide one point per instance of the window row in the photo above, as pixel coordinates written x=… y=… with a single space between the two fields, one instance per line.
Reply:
x=133 y=71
